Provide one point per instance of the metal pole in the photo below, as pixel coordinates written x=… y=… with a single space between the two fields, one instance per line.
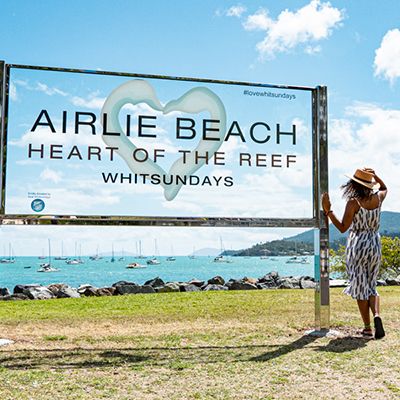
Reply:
x=322 y=306
x=2 y=132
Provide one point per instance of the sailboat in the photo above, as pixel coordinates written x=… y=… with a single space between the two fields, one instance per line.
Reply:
x=42 y=257
x=75 y=260
x=221 y=258
x=96 y=256
x=264 y=257
x=46 y=267
x=62 y=253
x=122 y=258
x=10 y=259
x=154 y=260
x=112 y=252
x=192 y=256
x=140 y=250
x=171 y=257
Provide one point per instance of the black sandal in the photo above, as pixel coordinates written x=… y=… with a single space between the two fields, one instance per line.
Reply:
x=367 y=332
x=379 y=331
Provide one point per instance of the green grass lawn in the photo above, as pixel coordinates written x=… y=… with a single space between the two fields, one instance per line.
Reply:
x=201 y=345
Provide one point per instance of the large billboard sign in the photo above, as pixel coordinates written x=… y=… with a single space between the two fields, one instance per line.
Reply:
x=91 y=143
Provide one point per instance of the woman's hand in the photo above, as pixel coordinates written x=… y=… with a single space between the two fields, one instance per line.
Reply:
x=326 y=203
x=370 y=170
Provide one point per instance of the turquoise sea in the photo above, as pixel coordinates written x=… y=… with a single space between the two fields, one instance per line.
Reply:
x=103 y=272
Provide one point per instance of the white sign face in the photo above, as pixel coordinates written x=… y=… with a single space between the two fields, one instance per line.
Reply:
x=109 y=145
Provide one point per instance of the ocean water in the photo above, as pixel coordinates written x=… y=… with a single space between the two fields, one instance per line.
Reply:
x=103 y=272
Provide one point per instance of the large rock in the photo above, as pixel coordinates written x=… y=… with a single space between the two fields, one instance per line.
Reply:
x=21 y=288
x=17 y=296
x=155 y=282
x=214 y=287
x=62 y=291
x=68 y=292
x=134 y=289
x=55 y=287
x=126 y=287
x=393 y=281
x=289 y=283
x=119 y=283
x=267 y=284
x=241 y=285
x=252 y=281
x=188 y=287
x=38 y=293
x=87 y=290
x=106 y=291
x=307 y=283
x=271 y=279
x=264 y=285
x=196 y=282
x=273 y=275
x=4 y=292
x=169 y=287
x=217 y=280
x=82 y=288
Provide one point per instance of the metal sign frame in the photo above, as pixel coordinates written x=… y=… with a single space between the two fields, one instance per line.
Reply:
x=319 y=169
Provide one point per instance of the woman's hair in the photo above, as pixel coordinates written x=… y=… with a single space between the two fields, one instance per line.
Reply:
x=354 y=190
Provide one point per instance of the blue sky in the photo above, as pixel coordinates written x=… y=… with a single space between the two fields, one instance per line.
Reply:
x=351 y=47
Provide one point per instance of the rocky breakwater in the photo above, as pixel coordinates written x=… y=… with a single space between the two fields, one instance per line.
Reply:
x=271 y=280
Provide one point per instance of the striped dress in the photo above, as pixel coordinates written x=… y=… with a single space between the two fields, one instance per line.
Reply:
x=363 y=254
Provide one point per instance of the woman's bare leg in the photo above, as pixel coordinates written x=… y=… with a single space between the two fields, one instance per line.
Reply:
x=374 y=305
x=363 y=306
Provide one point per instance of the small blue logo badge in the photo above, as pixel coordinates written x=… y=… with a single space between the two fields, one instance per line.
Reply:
x=37 y=205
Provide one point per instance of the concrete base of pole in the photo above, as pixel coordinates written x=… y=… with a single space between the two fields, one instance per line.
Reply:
x=323 y=333
x=4 y=342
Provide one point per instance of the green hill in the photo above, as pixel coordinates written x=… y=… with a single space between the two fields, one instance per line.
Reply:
x=303 y=243
x=390 y=226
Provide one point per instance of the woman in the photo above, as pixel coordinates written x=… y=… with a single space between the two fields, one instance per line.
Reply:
x=364 y=193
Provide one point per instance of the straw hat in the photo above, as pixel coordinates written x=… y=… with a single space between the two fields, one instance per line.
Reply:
x=364 y=178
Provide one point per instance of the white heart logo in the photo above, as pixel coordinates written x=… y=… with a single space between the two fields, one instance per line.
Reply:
x=194 y=101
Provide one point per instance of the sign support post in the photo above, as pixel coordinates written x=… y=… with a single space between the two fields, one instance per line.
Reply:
x=321 y=233
x=2 y=129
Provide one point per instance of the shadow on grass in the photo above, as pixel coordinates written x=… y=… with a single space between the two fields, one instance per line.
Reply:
x=343 y=344
x=337 y=345
x=285 y=349
x=60 y=358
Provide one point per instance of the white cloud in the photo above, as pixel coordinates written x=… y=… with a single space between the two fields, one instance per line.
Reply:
x=92 y=101
x=370 y=137
x=387 y=57
x=13 y=92
x=235 y=11
x=28 y=162
x=260 y=21
x=51 y=175
x=50 y=91
x=311 y=23
x=312 y=49
x=39 y=87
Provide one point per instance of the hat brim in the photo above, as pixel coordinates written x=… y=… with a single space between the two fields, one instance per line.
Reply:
x=371 y=185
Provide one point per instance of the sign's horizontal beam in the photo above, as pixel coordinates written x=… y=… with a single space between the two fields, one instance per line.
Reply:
x=152 y=76
x=164 y=221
